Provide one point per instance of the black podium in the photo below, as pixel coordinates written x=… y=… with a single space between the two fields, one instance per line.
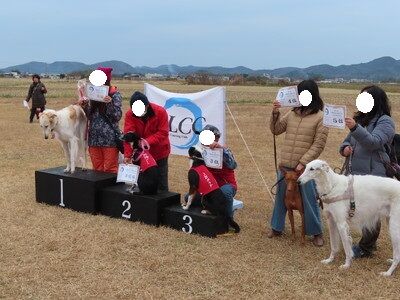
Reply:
x=193 y=221
x=116 y=202
x=78 y=191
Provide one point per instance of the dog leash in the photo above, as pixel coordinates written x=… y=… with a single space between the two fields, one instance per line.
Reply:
x=143 y=145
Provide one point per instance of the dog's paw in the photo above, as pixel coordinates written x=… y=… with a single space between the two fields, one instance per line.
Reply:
x=344 y=267
x=390 y=261
x=205 y=212
x=385 y=274
x=327 y=261
x=185 y=207
x=67 y=170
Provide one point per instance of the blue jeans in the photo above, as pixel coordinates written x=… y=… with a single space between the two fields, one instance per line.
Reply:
x=229 y=192
x=312 y=216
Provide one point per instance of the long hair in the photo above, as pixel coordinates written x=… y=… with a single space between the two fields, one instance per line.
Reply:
x=381 y=105
x=316 y=104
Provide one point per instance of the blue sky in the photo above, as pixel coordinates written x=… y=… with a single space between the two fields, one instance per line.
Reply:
x=256 y=34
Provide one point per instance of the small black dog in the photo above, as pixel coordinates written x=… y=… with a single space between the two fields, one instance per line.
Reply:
x=202 y=182
x=148 y=176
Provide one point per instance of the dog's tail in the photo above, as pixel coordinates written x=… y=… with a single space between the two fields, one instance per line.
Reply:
x=233 y=224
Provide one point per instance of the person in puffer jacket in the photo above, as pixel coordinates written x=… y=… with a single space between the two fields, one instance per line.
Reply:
x=370 y=134
x=304 y=141
x=153 y=127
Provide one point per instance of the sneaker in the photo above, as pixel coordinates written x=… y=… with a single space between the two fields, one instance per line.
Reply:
x=272 y=233
x=318 y=240
x=359 y=253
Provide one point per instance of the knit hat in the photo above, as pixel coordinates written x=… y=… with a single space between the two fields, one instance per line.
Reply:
x=139 y=96
x=107 y=71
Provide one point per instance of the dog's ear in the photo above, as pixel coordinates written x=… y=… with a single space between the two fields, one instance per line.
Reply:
x=52 y=118
x=325 y=167
x=191 y=151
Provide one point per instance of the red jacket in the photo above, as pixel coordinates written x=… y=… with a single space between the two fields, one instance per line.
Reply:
x=224 y=176
x=154 y=129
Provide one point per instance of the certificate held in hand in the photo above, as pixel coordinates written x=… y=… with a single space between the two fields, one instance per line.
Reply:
x=213 y=158
x=334 y=116
x=288 y=97
x=96 y=93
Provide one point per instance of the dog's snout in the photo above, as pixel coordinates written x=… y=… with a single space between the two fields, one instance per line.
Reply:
x=46 y=137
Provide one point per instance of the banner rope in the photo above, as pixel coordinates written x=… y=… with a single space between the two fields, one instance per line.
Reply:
x=251 y=155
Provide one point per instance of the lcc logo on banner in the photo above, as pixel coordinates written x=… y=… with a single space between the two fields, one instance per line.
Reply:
x=184 y=117
x=189 y=112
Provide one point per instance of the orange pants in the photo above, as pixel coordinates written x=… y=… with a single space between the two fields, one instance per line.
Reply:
x=104 y=159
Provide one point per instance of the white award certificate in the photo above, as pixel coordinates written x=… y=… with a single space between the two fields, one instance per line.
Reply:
x=334 y=116
x=213 y=158
x=96 y=93
x=288 y=97
x=128 y=173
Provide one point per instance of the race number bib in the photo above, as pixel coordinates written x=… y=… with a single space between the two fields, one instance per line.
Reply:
x=213 y=158
x=334 y=116
x=96 y=93
x=288 y=97
x=128 y=173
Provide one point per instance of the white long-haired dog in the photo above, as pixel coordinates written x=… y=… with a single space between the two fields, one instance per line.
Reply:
x=68 y=125
x=373 y=196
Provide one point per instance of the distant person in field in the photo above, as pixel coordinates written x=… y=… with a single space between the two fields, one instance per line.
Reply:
x=36 y=92
x=103 y=120
x=153 y=127
x=304 y=141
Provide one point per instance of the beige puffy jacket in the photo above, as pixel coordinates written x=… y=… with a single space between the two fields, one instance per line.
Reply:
x=305 y=137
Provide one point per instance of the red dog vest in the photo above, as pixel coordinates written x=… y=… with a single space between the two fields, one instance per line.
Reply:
x=207 y=182
x=146 y=161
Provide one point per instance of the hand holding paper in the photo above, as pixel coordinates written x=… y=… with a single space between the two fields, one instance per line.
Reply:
x=25 y=104
x=288 y=96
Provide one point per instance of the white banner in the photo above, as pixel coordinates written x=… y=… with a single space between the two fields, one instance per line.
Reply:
x=190 y=111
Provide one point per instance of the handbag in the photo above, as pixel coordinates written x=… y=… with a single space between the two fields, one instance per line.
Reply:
x=392 y=167
x=118 y=135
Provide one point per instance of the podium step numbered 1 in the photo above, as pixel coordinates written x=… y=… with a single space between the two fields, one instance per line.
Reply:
x=78 y=191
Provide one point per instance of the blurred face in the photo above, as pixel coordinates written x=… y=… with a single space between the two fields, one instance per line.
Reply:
x=35 y=79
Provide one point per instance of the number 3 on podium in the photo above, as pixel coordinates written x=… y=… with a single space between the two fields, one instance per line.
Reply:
x=190 y=229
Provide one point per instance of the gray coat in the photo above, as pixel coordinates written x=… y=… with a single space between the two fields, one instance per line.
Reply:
x=367 y=143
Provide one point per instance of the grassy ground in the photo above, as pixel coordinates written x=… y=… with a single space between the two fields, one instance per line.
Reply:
x=48 y=252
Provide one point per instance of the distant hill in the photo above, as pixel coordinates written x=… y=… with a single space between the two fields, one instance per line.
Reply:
x=384 y=68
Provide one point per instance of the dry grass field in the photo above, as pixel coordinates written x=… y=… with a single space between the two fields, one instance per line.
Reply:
x=49 y=252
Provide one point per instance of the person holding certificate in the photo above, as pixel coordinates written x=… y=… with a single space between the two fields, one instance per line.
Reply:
x=103 y=117
x=151 y=125
x=370 y=134
x=226 y=175
x=304 y=141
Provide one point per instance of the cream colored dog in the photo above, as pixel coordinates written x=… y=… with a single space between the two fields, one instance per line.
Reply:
x=67 y=125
